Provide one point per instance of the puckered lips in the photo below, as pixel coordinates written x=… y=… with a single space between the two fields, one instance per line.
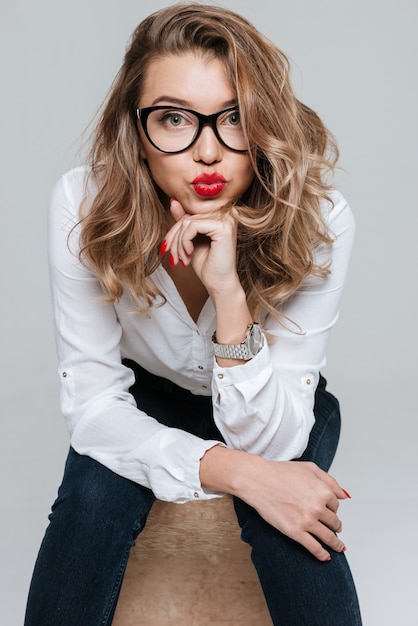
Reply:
x=209 y=184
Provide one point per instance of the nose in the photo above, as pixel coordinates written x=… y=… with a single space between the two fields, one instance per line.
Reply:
x=207 y=147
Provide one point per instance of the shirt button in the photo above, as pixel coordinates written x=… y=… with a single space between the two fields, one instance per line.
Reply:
x=204 y=386
x=64 y=374
x=196 y=495
x=308 y=381
x=200 y=367
x=220 y=376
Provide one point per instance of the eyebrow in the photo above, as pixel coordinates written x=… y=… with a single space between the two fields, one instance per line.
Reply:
x=185 y=103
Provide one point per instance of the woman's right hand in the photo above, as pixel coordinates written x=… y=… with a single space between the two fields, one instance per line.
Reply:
x=296 y=497
x=301 y=501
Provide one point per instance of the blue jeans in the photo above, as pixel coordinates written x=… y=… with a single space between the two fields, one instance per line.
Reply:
x=98 y=515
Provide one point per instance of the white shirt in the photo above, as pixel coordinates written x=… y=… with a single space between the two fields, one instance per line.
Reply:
x=264 y=406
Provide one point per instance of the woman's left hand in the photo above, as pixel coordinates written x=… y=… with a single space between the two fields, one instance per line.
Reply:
x=208 y=242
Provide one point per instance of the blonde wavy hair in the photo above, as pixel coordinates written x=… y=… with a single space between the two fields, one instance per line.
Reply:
x=291 y=151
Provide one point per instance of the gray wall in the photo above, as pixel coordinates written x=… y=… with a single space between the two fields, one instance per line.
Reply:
x=355 y=63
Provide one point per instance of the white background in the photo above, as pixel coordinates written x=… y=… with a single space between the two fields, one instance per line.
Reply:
x=355 y=62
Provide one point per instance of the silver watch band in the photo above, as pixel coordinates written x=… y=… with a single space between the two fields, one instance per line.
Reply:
x=245 y=350
x=226 y=351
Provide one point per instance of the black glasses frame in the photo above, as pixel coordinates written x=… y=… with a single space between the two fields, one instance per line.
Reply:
x=204 y=120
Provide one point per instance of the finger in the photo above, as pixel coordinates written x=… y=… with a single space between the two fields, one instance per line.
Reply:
x=194 y=231
x=330 y=481
x=183 y=243
x=178 y=254
x=175 y=243
x=314 y=547
x=332 y=521
x=172 y=237
x=190 y=232
x=176 y=209
x=333 y=503
x=328 y=537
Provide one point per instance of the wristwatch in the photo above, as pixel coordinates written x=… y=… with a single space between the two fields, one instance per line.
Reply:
x=249 y=348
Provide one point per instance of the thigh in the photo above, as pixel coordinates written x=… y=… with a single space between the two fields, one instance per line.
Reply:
x=93 y=524
x=299 y=589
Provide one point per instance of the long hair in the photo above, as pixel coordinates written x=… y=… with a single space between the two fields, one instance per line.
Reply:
x=291 y=152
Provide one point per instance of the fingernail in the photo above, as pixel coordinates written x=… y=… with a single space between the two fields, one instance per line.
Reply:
x=181 y=262
x=172 y=260
x=163 y=247
x=327 y=560
x=344 y=548
x=346 y=493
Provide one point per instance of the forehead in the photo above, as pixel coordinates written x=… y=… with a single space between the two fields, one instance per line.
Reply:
x=195 y=80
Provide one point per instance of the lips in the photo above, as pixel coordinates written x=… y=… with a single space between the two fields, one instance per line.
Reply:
x=209 y=184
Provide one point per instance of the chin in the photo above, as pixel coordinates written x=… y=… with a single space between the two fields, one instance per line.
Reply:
x=209 y=205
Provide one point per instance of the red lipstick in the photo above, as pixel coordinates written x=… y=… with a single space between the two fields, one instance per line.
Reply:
x=209 y=184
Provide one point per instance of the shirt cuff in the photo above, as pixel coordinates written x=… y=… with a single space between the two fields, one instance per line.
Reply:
x=226 y=376
x=197 y=492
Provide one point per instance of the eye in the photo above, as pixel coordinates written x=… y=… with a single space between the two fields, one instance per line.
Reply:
x=233 y=118
x=174 y=119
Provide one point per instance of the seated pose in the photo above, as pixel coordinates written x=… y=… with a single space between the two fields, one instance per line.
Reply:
x=197 y=262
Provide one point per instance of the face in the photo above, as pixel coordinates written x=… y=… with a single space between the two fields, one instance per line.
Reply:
x=207 y=176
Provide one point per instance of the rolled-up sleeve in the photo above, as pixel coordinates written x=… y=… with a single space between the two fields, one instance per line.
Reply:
x=102 y=417
x=266 y=405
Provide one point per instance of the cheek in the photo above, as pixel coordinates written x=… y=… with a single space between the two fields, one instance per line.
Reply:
x=247 y=176
x=164 y=173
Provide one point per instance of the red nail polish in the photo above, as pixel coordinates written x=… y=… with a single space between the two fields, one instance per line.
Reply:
x=327 y=560
x=181 y=262
x=172 y=260
x=163 y=247
x=344 y=548
x=346 y=493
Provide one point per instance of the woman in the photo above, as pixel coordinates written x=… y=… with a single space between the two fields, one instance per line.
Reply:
x=196 y=268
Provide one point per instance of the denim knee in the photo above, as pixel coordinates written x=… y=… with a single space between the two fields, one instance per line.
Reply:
x=93 y=496
x=93 y=525
x=299 y=589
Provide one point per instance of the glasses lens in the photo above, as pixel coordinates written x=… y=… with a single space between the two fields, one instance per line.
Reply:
x=230 y=130
x=173 y=130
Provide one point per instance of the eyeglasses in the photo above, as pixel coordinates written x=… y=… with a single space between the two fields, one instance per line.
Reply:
x=172 y=130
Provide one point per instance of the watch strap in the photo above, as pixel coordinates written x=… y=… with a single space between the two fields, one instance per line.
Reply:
x=239 y=351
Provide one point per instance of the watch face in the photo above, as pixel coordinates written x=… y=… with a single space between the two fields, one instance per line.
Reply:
x=255 y=340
